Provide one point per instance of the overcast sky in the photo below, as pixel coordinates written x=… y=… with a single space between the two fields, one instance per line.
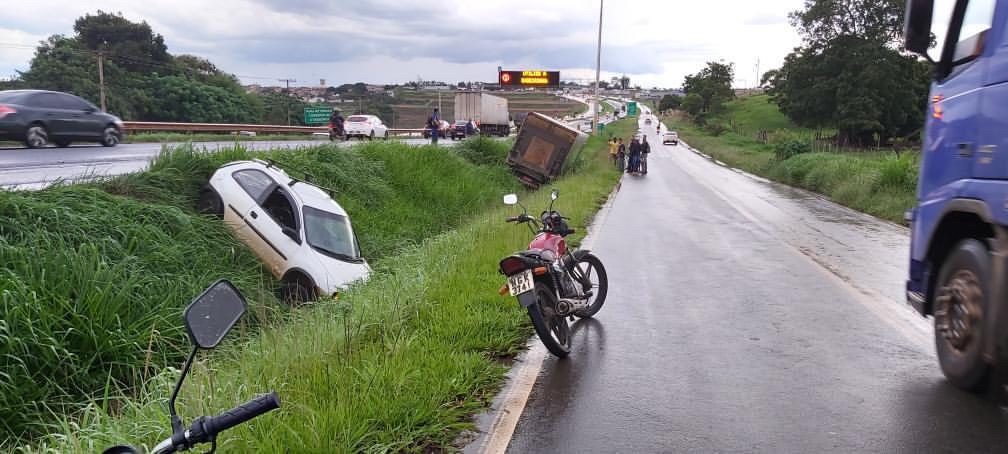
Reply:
x=655 y=43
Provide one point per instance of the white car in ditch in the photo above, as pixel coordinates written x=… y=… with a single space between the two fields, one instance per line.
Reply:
x=298 y=231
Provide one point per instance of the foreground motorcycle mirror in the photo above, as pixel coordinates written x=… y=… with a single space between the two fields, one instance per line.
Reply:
x=511 y=199
x=208 y=319
x=554 y=194
x=212 y=314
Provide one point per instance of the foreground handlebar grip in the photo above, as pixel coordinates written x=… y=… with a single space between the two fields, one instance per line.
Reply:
x=511 y=219
x=207 y=427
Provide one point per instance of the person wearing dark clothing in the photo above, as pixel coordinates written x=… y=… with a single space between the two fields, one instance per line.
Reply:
x=645 y=151
x=470 y=128
x=621 y=154
x=434 y=124
x=635 y=156
x=336 y=123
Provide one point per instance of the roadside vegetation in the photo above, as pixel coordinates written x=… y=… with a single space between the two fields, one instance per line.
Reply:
x=752 y=135
x=94 y=275
x=399 y=363
x=165 y=137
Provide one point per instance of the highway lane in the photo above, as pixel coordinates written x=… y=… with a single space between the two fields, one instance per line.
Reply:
x=22 y=168
x=746 y=316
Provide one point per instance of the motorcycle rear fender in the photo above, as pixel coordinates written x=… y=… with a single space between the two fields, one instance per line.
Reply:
x=527 y=299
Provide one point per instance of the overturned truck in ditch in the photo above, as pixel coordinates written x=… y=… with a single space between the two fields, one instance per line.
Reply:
x=541 y=149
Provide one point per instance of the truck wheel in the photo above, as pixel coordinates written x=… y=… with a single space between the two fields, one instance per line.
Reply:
x=960 y=307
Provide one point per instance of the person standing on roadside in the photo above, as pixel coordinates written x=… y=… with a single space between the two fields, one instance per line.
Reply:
x=434 y=124
x=613 y=149
x=645 y=151
x=635 y=156
x=621 y=154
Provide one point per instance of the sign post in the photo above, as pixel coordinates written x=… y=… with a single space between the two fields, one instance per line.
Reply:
x=317 y=115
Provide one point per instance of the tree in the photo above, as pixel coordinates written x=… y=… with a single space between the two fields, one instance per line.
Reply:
x=142 y=79
x=712 y=84
x=669 y=102
x=847 y=75
x=823 y=21
x=693 y=104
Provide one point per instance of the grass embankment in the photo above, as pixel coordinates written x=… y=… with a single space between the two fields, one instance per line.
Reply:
x=877 y=182
x=94 y=276
x=397 y=364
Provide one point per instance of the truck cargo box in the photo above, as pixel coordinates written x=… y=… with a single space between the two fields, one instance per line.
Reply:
x=542 y=147
x=490 y=112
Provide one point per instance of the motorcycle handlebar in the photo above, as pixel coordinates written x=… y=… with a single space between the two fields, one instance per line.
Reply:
x=511 y=219
x=205 y=428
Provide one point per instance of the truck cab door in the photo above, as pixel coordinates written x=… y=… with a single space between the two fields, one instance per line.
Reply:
x=991 y=160
x=953 y=128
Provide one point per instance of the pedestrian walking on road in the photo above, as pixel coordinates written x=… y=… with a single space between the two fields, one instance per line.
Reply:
x=635 y=156
x=621 y=155
x=645 y=151
x=434 y=124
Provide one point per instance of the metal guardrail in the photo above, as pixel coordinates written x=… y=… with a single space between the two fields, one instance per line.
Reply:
x=151 y=126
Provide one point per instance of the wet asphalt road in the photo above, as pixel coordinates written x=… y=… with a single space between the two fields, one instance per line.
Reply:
x=745 y=316
x=23 y=168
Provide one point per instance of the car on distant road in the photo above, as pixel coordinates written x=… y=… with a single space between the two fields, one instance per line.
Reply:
x=365 y=126
x=443 y=131
x=458 y=130
x=670 y=137
x=40 y=117
x=296 y=229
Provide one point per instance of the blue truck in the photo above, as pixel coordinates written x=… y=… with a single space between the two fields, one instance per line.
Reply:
x=959 y=226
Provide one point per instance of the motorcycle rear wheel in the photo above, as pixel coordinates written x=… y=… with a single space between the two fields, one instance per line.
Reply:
x=591 y=275
x=552 y=329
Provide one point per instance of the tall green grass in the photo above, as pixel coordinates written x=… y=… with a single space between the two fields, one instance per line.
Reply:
x=882 y=184
x=398 y=364
x=94 y=276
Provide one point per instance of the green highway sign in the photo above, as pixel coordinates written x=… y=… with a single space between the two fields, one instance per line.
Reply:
x=317 y=115
x=631 y=108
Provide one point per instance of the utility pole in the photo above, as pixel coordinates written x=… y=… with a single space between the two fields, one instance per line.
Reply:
x=288 y=82
x=757 y=73
x=598 y=67
x=101 y=79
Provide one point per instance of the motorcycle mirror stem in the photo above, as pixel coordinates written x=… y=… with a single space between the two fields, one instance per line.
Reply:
x=553 y=197
x=176 y=422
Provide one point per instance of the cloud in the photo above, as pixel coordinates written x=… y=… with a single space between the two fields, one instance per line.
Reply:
x=394 y=41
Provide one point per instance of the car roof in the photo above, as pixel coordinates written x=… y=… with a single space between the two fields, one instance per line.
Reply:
x=307 y=193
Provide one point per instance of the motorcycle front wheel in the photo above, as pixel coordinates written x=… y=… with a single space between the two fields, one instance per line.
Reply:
x=591 y=275
x=552 y=329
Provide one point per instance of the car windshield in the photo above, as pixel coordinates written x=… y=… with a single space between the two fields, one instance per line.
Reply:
x=357 y=119
x=330 y=234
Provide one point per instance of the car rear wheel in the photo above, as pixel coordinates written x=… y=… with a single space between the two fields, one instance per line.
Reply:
x=36 y=136
x=110 y=137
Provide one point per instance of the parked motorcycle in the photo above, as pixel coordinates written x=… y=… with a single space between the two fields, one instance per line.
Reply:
x=552 y=282
x=207 y=319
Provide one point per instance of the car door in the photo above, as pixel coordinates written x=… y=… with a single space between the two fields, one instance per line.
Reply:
x=380 y=128
x=89 y=122
x=992 y=144
x=269 y=219
x=60 y=122
x=243 y=211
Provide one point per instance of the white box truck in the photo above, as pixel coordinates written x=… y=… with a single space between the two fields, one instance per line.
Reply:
x=488 y=111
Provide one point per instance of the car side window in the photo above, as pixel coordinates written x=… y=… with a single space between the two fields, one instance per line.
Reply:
x=254 y=182
x=48 y=101
x=279 y=207
x=74 y=103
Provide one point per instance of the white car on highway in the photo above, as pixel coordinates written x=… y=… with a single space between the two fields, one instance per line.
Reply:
x=295 y=228
x=670 y=137
x=365 y=126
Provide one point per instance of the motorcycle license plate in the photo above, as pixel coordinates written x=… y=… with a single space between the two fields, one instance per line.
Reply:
x=521 y=283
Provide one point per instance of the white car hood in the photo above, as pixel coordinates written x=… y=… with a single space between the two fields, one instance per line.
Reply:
x=340 y=274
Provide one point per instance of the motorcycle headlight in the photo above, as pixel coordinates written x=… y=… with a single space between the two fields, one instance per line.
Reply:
x=548 y=255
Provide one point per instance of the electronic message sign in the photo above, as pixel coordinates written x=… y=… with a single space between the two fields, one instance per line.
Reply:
x=529 y=78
